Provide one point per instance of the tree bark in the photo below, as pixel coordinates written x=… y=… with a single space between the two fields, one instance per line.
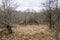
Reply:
x=9 y=29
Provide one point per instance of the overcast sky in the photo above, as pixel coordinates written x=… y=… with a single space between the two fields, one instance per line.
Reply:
x=31 y=4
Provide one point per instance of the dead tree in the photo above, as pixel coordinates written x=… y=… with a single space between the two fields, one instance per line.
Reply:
x=58 y=17
x=48 y=7
x=7 y=14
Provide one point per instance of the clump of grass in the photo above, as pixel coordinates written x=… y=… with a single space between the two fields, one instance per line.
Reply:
x=10 y=37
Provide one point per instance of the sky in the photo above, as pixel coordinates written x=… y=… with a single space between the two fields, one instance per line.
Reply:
x=31 y=4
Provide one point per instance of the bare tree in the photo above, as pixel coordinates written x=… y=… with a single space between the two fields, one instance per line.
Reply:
x=48 y=6
x=58 y=17
x=56 y=13
x=7 y=13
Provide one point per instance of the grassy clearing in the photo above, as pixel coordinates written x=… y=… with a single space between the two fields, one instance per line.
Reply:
x=30 y=32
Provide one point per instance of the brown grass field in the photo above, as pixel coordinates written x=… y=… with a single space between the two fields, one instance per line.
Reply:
x=30 y=32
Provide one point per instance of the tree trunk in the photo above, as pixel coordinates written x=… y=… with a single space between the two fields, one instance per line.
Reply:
x=9 y=29
x=57 y=31
x=50 y=22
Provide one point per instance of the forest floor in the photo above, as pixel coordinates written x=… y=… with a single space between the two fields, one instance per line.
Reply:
x=30 y=32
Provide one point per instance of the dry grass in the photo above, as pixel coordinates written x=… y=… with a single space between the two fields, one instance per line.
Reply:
x=30 y=32
x=30 y=29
